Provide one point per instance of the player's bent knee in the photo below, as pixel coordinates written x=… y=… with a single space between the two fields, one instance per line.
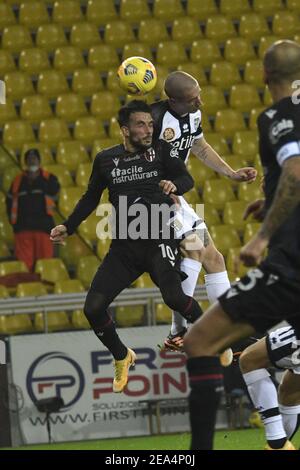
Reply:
x=192 y=247
x=95 y=307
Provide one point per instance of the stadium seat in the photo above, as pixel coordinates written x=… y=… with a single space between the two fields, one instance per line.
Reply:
x=103 y=246
x=33 y=14
x=83 y=174
x=211 y=215
x=56 y=321
x=219 y=28
x=244 y=97
x=34 y=108
x=170 y=54
x=87 y=129
x=267 y=7
x=185 y=30
x=250 y=230
x=213 y=99
x=68 y=286
x=112 y=83
x=253 y=74
x=114 y=130
x=44 y=150
x=7 y=63
x=31 y=289
x=70 y=106
x=163 y=314
x=195 y=70
x=264 y=44
x=50 y=37
x=228 y=121
x=152 y=31
x=293 y=5
x=137 y=49
x=234 y=8
x=233 y=214
x=134 y=11
x=62 y=174
x=4 y=251
x=86 y=269
x=118 y=33
x=80 y=321
x=232 y=254
x=104 y=105
x=103 y=57
x=129 y=315
x=250 y=192
x=15 y=38
x=51 y=270
x=9 y=267
x=285 y=24
x=7 y=16
x=205 y=52
x=254 y=113
x=245 y=143
x=87 y=229
x=18 y=84
x=144 y=282
x=86 y=82
x=201 y=10
x=101 y=12
x=217 y=142
x=217 y=192
x=16 y=133
x=193 y=197
x=52 y=131
x=7 y=112
x=72 y=251
x=84 y=35
x=70 y=154
x=18 y=324
x=6 y=232
x=68 y=198
x=238 y=50
x=258 y=165
x=8 y=176
x=4 y=293
x=68 y=58
x=101 y=144
x=253 y=26
x=51 y=83
x=225 y=237
x=267 y=98
x=199 y=171
x=66 y=12
x=167 y=10
x=235 y=162
x=33 y=60
x=224 y=74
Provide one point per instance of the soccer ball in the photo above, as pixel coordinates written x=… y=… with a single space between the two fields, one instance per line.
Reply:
x=137 y=76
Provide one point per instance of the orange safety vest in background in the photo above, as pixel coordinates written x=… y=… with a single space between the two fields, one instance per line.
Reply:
x=50 y=204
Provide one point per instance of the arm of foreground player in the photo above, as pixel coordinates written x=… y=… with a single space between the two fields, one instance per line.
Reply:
x=204 y=152
x=175 y=171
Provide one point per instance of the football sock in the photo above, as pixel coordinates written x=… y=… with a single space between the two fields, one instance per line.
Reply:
x=110 y=338
x=192 y=268
x=216 y=284
x=206 y=383
x=264 y=396
x=291 y=419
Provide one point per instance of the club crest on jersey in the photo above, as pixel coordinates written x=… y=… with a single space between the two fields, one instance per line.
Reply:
x=196 y=122
x=168 y=134
x=149 y=155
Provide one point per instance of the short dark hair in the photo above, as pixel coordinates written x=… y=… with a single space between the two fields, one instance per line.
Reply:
x=32 y=151
x=134 y=106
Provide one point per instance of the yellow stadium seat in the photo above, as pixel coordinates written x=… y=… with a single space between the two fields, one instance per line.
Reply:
x=236 y=161
x=103 y=246
x=68 y=286
x=68 y=198
x=219 y=28
x=238 y=50
x=195 y=70
x=245 y=143
x=211 y=215
x=6 y=232
x=118 y=33
x=185 y=30
x=193 y=197
x=232 y=254
x=34 y=108
x=225 y=237
x=267 y=7
x=70 y=154
x=33 y=60
x=2 y=204
x=234 y=8
x=4 y=294
x=8 y=176
x=217 y=142
x=44 y=151
x=114 y=130
x=18 y=84
x=167 y=10
x=228 y=121
x=264 y=44
x=201 y=10
x=254 y=113
x=163 y=314
x=267 y=98
x=70 y=106
x=285 y=24
x=83 y=174
x=73 y=250
x=112 y=83
x=18 y=324
x=68 y=58
x=87 y=229
x=51 y=270
x=233 y=214
x=244 y=97
x=51 y=83
x=15 y=38
x=258 y=165
x=205 y=52
x=66 y=12
x=213 y=99
x=7 y=63
x=101 y=144
x=199 y=171
x=31 y=289
x=293 y=5
x=84 y=35
x=253 y=26
x=144 y=282
x=152 y=31
x=87 y=129
x=86 y=82
x=7 y=112
x=62 y=174
x=224 y=74
x=137 y=49
x=254 y=74
x=170 y=54
x=250 y=192
x=16 y=133
x=7 y=16
x=4 y=251
x=50 y=37
x=250 y=230
x=217 y=192
x=101 y=12
x=104 y=105
x=33 y=14
x=86 y=269
x=129 y=315
x=103 y=57
x=55 y=321
x=9 y=267
x=134 y=11
x=297 y=38
x=79 y=320
x=51 y=131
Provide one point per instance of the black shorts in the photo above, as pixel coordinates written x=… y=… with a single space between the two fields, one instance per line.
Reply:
x=263 y=298
x=283 y=348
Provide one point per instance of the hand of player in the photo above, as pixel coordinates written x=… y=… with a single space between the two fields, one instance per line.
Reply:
x=167 y=186
x=256 y=208
x=58 y=235
x=252 y=253
x=247 y=174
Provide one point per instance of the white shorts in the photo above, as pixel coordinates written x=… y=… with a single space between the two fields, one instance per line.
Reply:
x=284 y=349
x=187 y=221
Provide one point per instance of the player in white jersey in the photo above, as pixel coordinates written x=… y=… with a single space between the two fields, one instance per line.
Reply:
x=178 y=121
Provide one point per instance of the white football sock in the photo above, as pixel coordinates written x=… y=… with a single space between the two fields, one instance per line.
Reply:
x=291 y=419
x=264 y=396
x=216 y=284
x=192 y=268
